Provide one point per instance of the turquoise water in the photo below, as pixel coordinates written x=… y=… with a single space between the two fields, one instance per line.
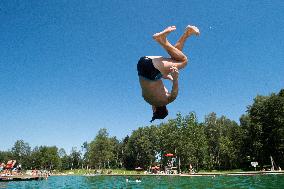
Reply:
x=157 y=182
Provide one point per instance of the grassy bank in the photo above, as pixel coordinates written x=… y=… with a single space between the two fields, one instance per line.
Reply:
x=93 y=171
x=133 y=172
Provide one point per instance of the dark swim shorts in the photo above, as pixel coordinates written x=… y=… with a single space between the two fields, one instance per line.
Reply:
x=147 y=70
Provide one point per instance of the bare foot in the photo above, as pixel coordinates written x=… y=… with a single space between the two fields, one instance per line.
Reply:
x=189 y=30
x=162 y=36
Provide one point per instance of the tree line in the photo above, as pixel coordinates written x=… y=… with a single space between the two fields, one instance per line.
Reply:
x=216 y=143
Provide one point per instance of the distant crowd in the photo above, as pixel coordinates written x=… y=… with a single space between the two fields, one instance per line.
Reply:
x=12 y=168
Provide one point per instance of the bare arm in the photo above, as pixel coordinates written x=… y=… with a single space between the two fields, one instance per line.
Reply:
x=174 y=92
x=172 y=96
x=169 y=77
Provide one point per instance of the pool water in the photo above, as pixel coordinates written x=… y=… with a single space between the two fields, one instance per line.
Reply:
x=157 y=182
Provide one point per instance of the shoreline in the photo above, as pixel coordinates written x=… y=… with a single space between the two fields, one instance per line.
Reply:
x=244 y=173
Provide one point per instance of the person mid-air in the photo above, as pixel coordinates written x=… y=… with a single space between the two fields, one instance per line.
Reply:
x=151 y=69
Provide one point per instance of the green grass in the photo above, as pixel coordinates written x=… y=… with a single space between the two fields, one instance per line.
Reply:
x=133 y=172
x=102 y=171
x=221 y=172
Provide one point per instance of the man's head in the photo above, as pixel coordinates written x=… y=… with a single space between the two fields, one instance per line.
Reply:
x=159 y=112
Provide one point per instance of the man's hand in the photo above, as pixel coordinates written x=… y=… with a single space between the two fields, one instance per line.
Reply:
x=169 y=77
x=174 y=73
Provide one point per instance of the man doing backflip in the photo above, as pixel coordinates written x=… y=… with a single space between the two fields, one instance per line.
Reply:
x=151 y=69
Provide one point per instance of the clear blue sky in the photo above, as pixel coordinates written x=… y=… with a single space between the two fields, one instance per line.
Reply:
x=68 y=68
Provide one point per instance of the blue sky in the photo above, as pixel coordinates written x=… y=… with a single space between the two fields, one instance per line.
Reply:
x=68 y=68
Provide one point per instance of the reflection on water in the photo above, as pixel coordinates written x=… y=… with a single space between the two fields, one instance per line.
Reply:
x=157 y=182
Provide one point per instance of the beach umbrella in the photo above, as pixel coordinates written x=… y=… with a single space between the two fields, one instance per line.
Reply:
x=169 y=155
x=138 y=168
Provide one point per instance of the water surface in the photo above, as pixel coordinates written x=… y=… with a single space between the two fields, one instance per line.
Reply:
x=156 y=182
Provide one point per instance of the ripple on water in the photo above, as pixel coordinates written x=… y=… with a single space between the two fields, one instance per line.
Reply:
x=151 y=182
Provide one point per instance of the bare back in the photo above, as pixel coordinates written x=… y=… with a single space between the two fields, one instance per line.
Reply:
x=154 y=92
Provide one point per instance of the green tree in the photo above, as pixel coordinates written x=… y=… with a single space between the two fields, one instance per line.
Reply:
x=170 y=138
x=64 y=159
x=75 y=157
x=45 y=157
x=85 y=150
x=101 y=150
x=224 y=142
x=229 y=143
x=195 y=144
x=5 y=156
x=128 y=157
x=142 y=146
x=117 y=147
x=266 y=128
x=212 y=132
x=21 y=152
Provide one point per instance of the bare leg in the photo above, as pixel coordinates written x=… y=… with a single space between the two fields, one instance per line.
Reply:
x=178 y=59
x=189 y=30
x=174 y=52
